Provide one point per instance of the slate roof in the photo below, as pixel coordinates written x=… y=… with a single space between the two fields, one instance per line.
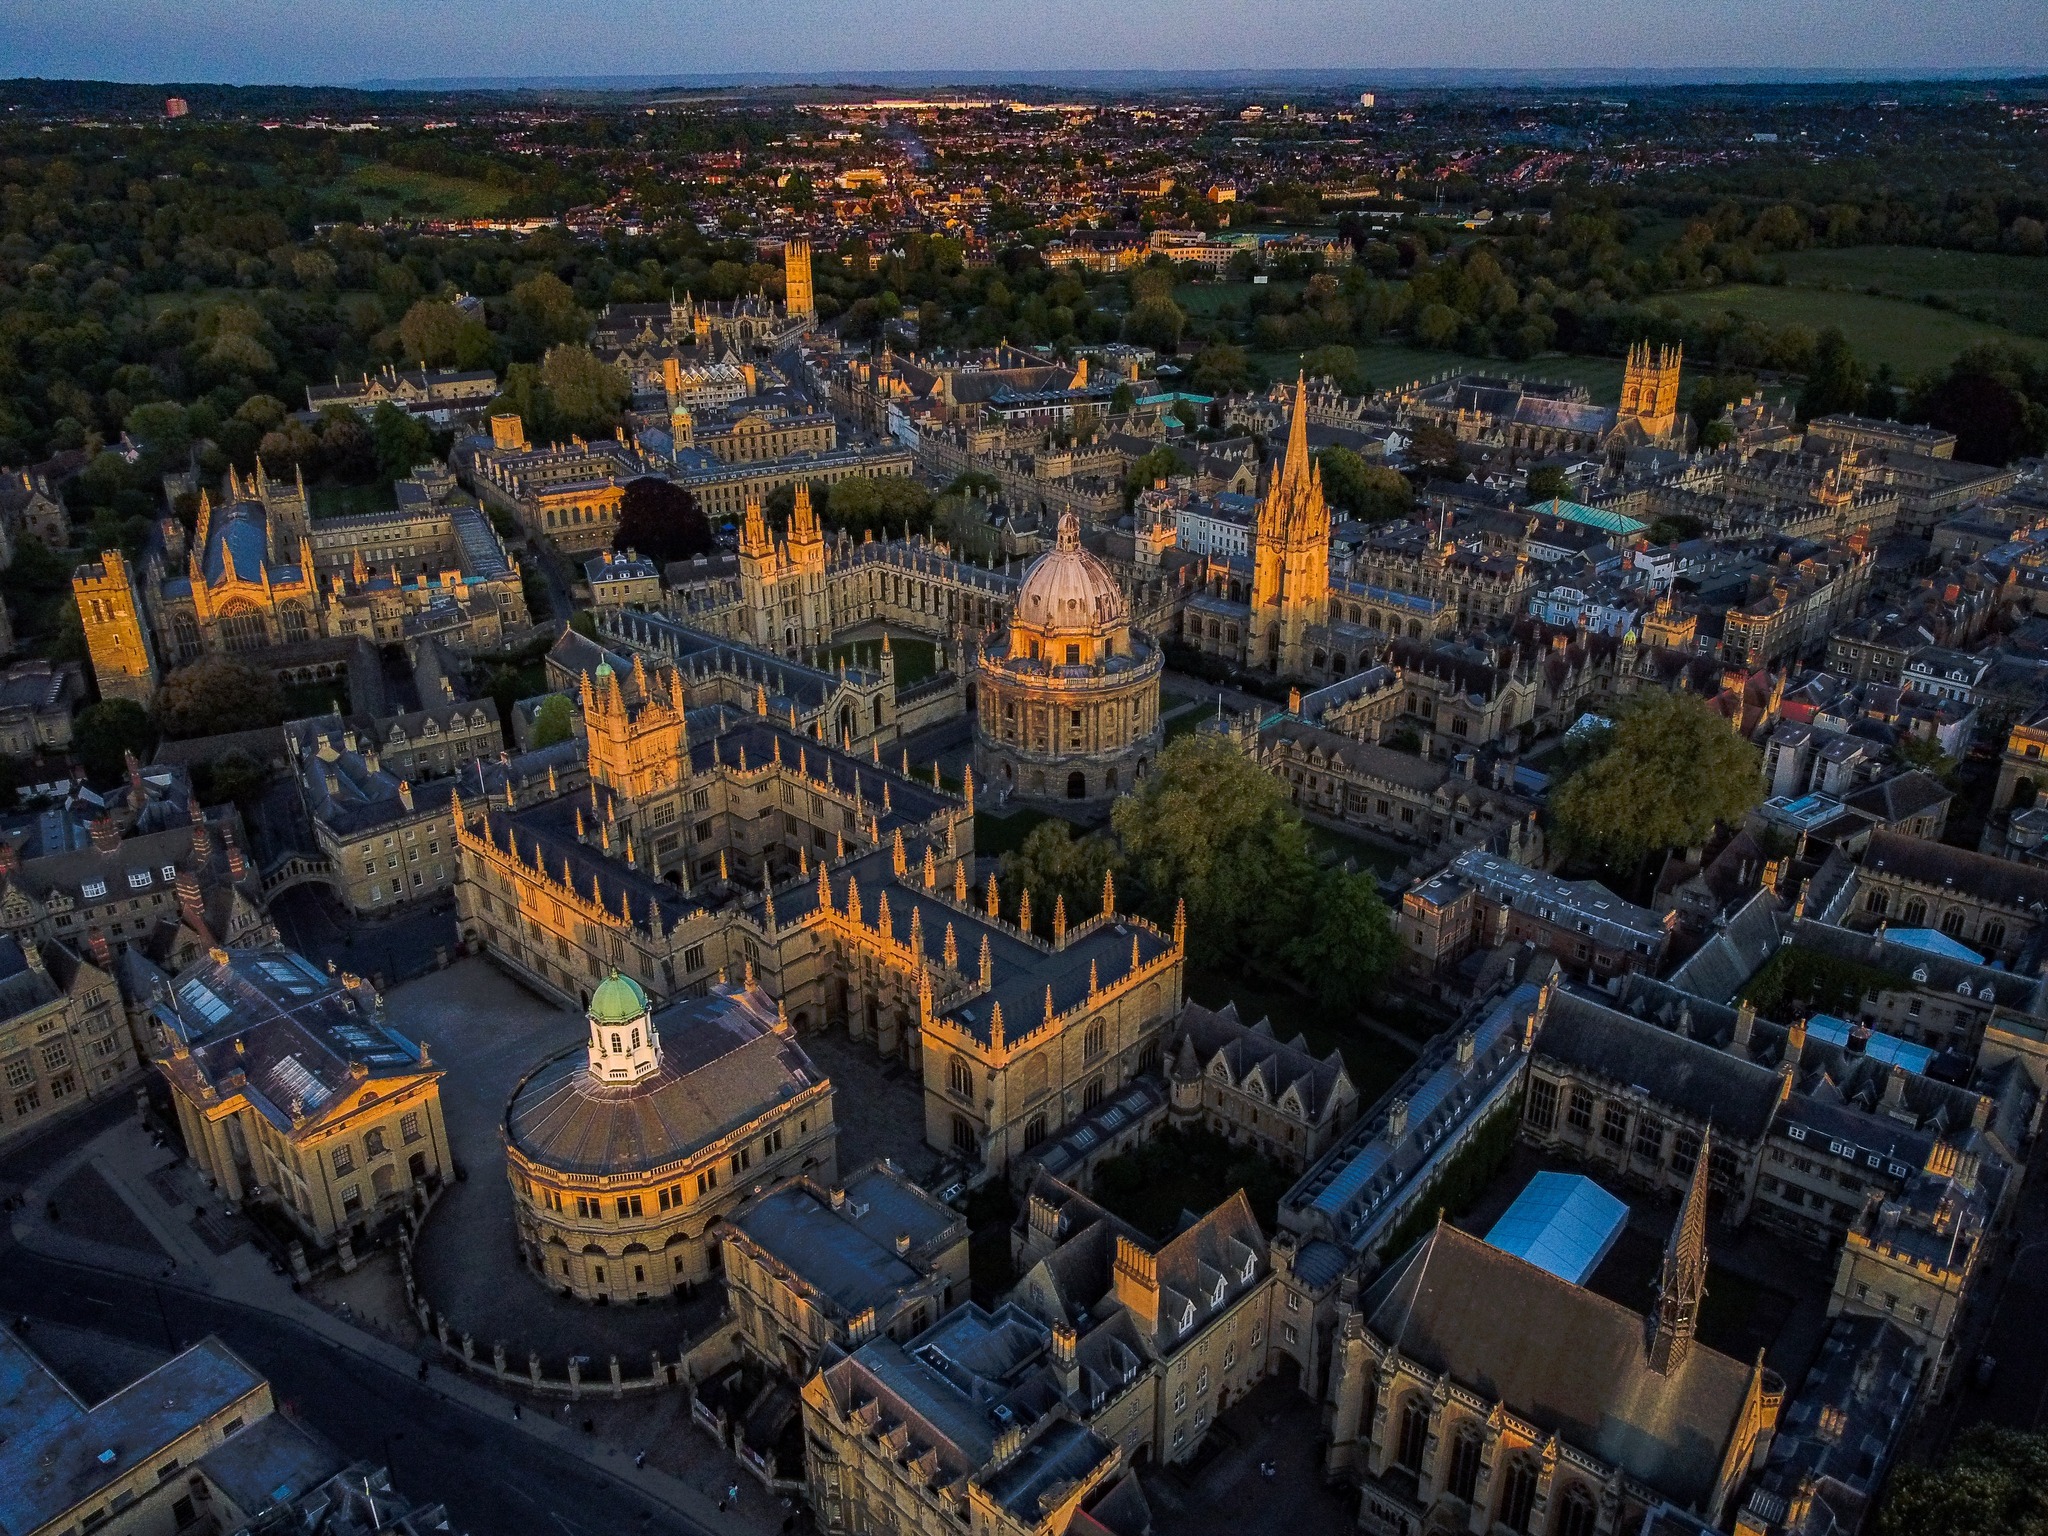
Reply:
x=723 y=1064
x=848 y=1254
x=1917 y=861
x=1569 y=1360
x=1248 y=1048
x=1739 y=1097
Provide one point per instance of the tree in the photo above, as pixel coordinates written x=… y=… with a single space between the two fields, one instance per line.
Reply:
x=880 y=502
x=1435 y=449
x=1350 y=943
x=430 y=332
x=1148 y=469
x=1122 y=399
x=1213 y=828
x=1994 y=1483
x=218 y=694
x=661 y=520
x=1221 y=369
x=106 y=732
x=1371 y=493
x=544 y=310
x=1055 y=865
x=1338 y=364
x=401 y=440
x=1547 y=483
x=554 y=721
x=1156 y=323
x=588 y=394
x=1995 y=400
x=1672 y=770
x=1836 y=381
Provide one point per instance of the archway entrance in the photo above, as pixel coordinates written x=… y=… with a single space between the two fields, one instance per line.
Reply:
x=1077 y=786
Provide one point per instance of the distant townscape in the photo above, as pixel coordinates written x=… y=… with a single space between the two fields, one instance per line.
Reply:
x=1042 y=815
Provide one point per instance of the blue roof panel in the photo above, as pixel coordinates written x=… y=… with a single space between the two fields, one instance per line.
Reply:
x=1561 y=1222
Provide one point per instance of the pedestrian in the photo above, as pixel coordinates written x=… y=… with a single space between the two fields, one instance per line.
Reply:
x=515 y=1412
x=721 y=1506
x=733 y=1493
x=590 y=1426
x=639 y=1458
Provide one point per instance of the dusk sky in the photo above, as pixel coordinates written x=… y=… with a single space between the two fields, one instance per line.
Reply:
x=344 y=41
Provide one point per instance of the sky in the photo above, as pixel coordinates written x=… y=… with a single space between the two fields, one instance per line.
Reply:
x=342 y=42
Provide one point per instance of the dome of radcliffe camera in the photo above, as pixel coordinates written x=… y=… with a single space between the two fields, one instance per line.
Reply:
x=1068 y=588
x=617 y=1000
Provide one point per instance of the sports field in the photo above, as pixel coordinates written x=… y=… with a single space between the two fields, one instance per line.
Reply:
x=1911 y=337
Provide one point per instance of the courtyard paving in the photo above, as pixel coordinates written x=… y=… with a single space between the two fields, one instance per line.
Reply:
x=488 y=1031
x=877 y=1104
x=1223 y=1492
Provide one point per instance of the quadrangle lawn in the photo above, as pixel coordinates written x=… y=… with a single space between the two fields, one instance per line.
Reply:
x=1911 y=337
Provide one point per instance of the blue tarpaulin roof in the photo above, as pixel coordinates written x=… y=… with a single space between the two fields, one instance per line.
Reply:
x=1561 y=1222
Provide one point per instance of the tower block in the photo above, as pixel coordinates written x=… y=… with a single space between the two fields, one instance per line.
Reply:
x=797 y=295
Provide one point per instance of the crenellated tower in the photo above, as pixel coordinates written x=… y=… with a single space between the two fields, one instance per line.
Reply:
x=117 y=640
x=797 y=296
x=1649 y=390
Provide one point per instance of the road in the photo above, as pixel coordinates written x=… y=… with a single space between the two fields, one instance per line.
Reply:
x=439 y=1451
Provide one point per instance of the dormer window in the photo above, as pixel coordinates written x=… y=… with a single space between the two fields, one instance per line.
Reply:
x=1216 y=1296
x=93 y=889
x=170 y=872
x=138 y=879
x=1187 y=1317
x=1251 y=1262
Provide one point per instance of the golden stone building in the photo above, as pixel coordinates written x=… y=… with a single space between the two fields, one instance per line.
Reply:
x=624 y=1151
x=63 y=1039
x=1067 y=699
x=291 y=1090
x=710 y=840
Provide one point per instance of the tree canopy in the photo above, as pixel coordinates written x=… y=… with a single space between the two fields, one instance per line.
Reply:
x=554 y=721
x=1995 y=1483
x=661 y=520
x=217 y=694
x=1371 y=493
x=1671 y=771
x=104 y=733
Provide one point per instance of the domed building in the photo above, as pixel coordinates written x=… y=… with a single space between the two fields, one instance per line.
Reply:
x=624 y=1150
x=1067 y=698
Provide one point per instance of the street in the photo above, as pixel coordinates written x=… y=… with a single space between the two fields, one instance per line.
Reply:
x=493 y=1476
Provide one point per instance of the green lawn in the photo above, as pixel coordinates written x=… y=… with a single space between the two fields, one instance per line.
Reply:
x=388 y=190
x=1388 y=365
x=1196 y=1171
x=1341 y=845
x=994 y=835
x=916 y=659
x=1209 y=298
x=349 y=500
x=1190 y=721
x=1911 y=337
x=2011 y=291
x=303 y=699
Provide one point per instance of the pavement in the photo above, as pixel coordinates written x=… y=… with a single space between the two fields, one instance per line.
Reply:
x=488 y=1031
x=456 y=1436
x=388 y=950
x=1223 y=1492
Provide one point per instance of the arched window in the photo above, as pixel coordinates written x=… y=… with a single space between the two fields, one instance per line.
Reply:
x=1915 y=913
x=615 y=1043
x=1991 y=937
x=960 y=1076
x=1464 y=1475
x=1576 y=1513
x=964 y=1138
x=1876 y=901
x=1518 y=1494
x=1034 y=1131
x=1091 y=1046
x=1414 y=1441
x=1092 y=1094
x=1952 y=922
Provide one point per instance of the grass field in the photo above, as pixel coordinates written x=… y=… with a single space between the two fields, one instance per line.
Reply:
x=1209 y=298
x=1910 y=337
x=387 y=190
x=331 y=500
x=915 y=659
x=1389 y=364
x=2011 y=291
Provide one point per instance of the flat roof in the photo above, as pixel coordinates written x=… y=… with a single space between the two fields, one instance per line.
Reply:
x=1561 y=1222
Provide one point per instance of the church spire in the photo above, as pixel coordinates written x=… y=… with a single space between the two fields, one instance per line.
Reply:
x=1682 y=1282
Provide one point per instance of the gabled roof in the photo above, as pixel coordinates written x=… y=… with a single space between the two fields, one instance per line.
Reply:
x=1565 y=1358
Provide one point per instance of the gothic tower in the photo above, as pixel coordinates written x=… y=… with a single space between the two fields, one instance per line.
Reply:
x=758 y=571
x=1649 y=391
x=797 y=297
x=1290 y=556
x=804 y=572
x=115 y=636
x=1682 y=1282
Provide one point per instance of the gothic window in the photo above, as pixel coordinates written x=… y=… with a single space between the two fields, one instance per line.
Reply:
x=1614 y=1125
x=1518 y=1494
x=960 y=1077
x=1092 y=1094
x=1580 y=1110
x=1952 y=922
x=1915 y=913
x=1092 y=1044
x=1542 y=1104
x=1685 y=1152
x=1414 y=1442
x=1649 y=1140
x=1991 y=936
x=964 y=1139
x=1576 y=1514
x=1876 y=901
x=1034 y=1131
x=1465 y=1463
